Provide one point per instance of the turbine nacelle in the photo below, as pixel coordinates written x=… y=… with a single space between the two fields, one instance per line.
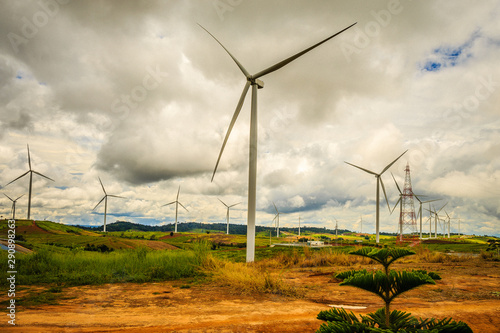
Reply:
x=256 y=82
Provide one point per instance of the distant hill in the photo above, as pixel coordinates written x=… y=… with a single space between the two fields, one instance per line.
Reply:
x=235 y=229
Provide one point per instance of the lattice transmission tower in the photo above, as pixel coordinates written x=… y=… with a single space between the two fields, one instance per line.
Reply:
x=407 y=220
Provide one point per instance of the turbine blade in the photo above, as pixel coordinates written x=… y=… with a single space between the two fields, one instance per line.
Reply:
x=234 y=205
x=442 y=208
x=416 y=197
x=19 y=197
x=21 y=176
x=243 y=70
x=223 y=203
x=104 y=197
x=395 y=205
x=169 y=203
x=431 y=200
x=29 y=157
x=397 y=184
x=102 y=185
x=366 y=170
x=276 y=208
x=115 y=196
x=387 y=167
x=292 y=58
x=38 y=173
x=385 y=195
x=178 y=191
x=10 y=197
x=233 y=120
x=183 y=207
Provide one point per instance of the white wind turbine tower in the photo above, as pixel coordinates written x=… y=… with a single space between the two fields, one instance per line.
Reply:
x=336 y=231
x=277 y=218
x=105 y=198
x=31 y=172
x=227 y=214
x=13 y=210
x=253 y=80
x=177 y=203
x=299 y=225
x=379 y=181
x=449 y=222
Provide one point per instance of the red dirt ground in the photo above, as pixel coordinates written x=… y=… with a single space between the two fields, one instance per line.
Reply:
x=31 y=229
x=469 y=291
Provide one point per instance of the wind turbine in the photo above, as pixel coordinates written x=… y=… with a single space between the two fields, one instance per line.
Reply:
x=13 y=205
x=227 y=214
x=336 y=231
x=31 y=172
x=277 y=218
x=400 y=202
x=436 y=218
x=177 y=203
x=449 y=222
x=253 y=80
x=379 y=181
x=420 y=210
x=299 y=225
x=105 y=198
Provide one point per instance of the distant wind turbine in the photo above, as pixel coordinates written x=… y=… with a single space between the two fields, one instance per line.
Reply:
x=31 y=172
x=13 y=210
x=277 y=218
x=379 y=181
x=299 y=225
x=436 y=218
x=449 y=222
x=105 y=198
x=177 y=203
x=253 y=80
x=227 y=214
x=420 y=210
x=400 y=202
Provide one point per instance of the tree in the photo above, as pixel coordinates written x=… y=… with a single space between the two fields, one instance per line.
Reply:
x=387 y=284
x=494 y=245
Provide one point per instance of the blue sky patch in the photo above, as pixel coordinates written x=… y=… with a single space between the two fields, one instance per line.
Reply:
x=449 y=56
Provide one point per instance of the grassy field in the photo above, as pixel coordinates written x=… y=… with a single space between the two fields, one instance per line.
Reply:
x=70 y=255
x=78 y=267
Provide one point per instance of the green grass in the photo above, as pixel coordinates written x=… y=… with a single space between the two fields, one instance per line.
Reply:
x=88 y=268
x=473 y=247
x=62 y=228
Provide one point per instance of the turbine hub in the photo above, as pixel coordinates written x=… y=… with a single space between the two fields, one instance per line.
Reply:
x=259 y=83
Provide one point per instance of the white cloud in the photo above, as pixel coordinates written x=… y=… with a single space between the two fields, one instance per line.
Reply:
x=141 y=96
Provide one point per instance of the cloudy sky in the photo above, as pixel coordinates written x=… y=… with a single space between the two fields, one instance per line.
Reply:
x=136 y=93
